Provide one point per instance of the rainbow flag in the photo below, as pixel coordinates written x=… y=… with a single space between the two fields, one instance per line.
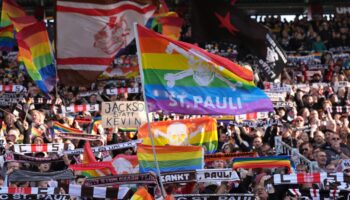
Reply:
x=21 y=22
x=89 y=157
x=7 y=41
x=95 y=124
x=36 y=132
x=181 y=78
x=35 y=53
x=142 y=194
x=168 y=24
x=60 y=128
x=10 y=9
x=198 y=132
x=262 y=162
x=170 y=158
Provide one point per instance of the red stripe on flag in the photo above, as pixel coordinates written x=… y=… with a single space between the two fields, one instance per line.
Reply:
x=104 y=12
x=39 y=148
x=309 y=178
x=84 y=60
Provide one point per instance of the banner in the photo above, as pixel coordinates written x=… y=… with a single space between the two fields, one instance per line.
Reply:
x=81 y=108
x=323 y=177
x=70 y=189
x=258 y=123
x=116 y=91
x=79 y=136
x=12 y=88
x=33 y=148
x=123 y=114
x=185 y=79
x=108 y=29
x=317 y=194
x=35 y=196
x=178 y=177
x=121 y=179
x=228 y=156
x=212 y=175
x=198 y=132
x=23 y=175
x=214 y=197
x=111 y=147
x=23 y=158
x=249 y=116
x=9 y=99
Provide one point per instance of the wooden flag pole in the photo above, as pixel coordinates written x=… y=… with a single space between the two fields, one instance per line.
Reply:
x=146 y=107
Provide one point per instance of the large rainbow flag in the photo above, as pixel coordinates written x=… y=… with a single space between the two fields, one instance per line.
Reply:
x=198 y=132
x=170 y=158
x=182 y=78
x=263 y=162
x=35 y=53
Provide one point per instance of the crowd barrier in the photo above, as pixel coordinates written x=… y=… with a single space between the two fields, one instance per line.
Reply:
x=282 y=148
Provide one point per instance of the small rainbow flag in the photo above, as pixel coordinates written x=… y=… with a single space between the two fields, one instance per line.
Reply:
x=182 y=78
x=197 y=132
x=262 y=162
x=60 y=128
x=95 y=124
x=141 y=194
x=36 y=132
x=170 y=158
x=168 y=24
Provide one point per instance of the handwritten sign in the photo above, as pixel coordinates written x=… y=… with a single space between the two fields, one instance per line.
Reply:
x=123 y=114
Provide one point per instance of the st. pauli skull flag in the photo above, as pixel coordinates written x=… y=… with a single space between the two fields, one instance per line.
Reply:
x=181 y=78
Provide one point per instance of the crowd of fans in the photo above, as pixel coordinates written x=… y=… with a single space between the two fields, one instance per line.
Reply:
x=313 y=124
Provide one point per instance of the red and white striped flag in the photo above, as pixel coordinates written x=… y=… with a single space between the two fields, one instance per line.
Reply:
x=91 y=32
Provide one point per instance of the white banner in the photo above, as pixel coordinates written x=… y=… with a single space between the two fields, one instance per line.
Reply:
x=123 y=114
x=209 y=175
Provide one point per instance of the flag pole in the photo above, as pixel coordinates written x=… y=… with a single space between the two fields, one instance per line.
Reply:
x=146 y=108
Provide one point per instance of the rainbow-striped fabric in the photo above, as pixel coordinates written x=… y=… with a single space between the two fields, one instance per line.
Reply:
x=182 y=78
x=170 y=158
x=198 y=132
x=60 y=128
x=7 y=41
x=141 y=194
x=35 y=53
x=168 y=24
x=263 y=162
x=10 y=9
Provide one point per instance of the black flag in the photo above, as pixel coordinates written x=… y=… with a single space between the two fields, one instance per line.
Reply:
x=220 y=21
